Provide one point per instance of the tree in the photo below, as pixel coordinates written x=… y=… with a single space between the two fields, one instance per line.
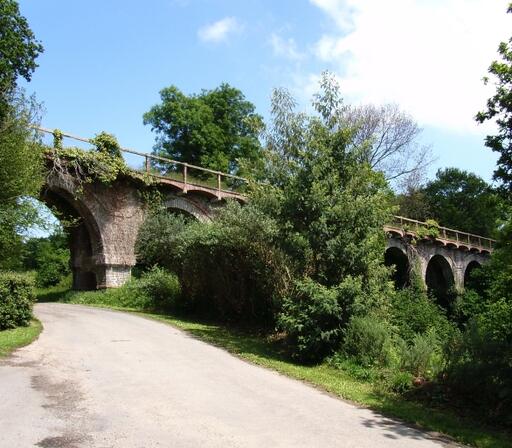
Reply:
x=463 y=201
x=331 y=207
x=499 y=108
x=20 y=157
x=214 y=129
x=388 y=138
x=18 y=47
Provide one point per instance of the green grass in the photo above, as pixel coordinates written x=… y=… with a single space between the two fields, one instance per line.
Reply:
x=338 y=382
x=10 y=340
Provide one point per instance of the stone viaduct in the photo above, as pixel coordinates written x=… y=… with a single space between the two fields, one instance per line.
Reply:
x=109 y=217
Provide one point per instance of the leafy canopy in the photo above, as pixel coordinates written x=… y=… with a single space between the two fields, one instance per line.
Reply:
x=463 y=201
x=499 y=108
x=18 y=47
x=213 y=129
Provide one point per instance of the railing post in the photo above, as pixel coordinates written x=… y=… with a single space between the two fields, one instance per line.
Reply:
x=218 y=184
x=148 y=164
x=185 y=173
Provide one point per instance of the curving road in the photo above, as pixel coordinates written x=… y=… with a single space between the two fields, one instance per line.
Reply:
x=98 y=378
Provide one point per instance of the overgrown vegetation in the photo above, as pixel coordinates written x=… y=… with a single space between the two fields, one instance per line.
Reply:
x=16 y=300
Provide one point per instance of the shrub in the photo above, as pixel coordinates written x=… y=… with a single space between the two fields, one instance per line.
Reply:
x=156 y=241
x=368 y=340
x=312 y=317
x=399 y=381
x=423 y=356
x=414 y=312
x=53 y=266
x=16 y=299
x=156 y=289
x=480 y=365
x=230 y=268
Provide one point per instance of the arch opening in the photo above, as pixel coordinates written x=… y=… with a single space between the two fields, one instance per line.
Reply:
x=399 y=260
x=83 y=237
x=469 y=281
x=440 y=280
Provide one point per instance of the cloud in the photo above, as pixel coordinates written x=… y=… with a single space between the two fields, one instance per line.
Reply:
x=218 y=31
x=286 y=48
x=429 y=56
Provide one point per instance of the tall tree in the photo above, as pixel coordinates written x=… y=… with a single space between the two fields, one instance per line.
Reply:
x=18 y=47
x=330 y=207
x=20 y=156
x=213 y=129
x=499 y=108
x=463 y=201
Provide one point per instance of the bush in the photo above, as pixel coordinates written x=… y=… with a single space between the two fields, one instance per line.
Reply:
x=16 y=299
x=156 y=289
x=480 y=365
x=312 y=317
x=230 y=268
x=368 y=340
x=53 y=266
x=414 y=312
x=156 y=241
x=423 y=356
x=399 y=381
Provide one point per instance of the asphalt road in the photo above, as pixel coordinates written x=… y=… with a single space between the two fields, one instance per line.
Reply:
x=98 y=378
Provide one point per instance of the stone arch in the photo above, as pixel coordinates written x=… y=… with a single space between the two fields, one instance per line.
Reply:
x=439 y=278
x=188 y=207
x=470 y=267
x=85 y=239
x=396 y=257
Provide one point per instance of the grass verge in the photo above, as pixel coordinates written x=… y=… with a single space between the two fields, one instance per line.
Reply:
x=341 y=383
x=10 y=340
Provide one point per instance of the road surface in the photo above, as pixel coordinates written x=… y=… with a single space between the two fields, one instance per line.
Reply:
x=99 y=378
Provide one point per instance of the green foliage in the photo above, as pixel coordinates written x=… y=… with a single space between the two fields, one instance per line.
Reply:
x=413 y=312
x=155 y=290
x=57 y=138
x=108 y=144
x=156 y=241
x=430 y=230
x=331 y=208
x=499 y=109
x=21 y=175
x=312 y=317
x=399 y=381
x=214 y=129
x=90 y=166
x=480 y=365
x=230 y=268
x=368 y=340
x=18 y=47
x=49 y=257
x=423 y=356
x=16 y=299
x=161 y=288
x=463 y=201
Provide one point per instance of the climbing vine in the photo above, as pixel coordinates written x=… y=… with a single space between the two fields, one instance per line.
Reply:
x=76 y=167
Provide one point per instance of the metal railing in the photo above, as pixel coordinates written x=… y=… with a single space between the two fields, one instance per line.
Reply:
x=187 y=175
x=443 y=233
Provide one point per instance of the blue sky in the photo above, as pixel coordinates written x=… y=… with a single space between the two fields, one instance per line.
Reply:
x=105 y=61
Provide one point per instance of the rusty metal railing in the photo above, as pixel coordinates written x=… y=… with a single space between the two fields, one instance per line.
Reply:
x=189 y=176
x=457 y=237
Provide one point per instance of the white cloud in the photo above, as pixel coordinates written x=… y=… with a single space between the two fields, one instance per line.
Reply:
x=286 y=48
x=429 y=56
x=218 y=31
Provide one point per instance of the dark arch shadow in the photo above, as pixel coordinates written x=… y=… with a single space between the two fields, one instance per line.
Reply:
x=83 y=236
x=440 y=281
x=469 y=281
x=397 y=258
